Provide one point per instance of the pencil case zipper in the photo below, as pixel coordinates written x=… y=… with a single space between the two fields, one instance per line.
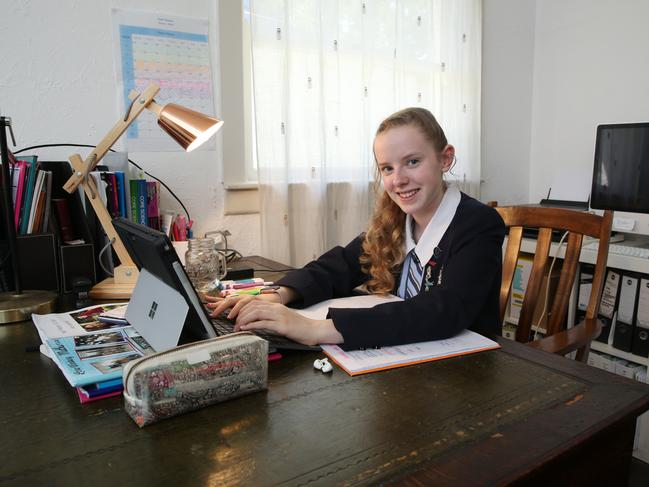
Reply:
x=197 y=345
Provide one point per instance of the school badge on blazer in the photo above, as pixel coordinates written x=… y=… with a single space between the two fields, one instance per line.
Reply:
x=433 y=271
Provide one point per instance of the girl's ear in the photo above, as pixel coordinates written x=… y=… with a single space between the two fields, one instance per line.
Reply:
x=447 y=157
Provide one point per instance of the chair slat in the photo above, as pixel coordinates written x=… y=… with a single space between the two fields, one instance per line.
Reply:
x=509 y=267
x=562 y=295
x=531 y=298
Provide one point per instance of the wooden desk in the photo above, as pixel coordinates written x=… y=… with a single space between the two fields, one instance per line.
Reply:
x=514 y=415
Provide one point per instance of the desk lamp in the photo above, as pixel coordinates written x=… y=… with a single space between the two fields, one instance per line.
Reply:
x=187 y=127
x=19 y=304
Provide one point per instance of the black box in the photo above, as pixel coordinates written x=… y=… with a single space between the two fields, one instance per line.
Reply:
x=77 y=261
x=38 y=259
x=626 y=311
x=623 y=336
x=640 y=344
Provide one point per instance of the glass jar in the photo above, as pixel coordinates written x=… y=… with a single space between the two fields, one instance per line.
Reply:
x=203 y=263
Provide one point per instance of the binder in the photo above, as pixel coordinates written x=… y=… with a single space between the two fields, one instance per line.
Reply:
x=586 y=273
x=608 y=303
x=626 y=311
x=640 y=345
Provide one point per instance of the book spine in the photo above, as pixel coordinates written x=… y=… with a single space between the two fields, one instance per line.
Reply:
x=21 y=168
x=141 y=202
x=133 y=187
x=65 y=221
x=152 y=212
x=48 y=199
x=85 y=398
x=36 y=193
x=121 y=193
x=29 y=192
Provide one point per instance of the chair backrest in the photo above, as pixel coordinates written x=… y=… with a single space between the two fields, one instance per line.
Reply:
x=577 y=224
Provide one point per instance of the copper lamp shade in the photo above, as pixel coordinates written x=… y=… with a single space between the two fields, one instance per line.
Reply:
x=187 y=127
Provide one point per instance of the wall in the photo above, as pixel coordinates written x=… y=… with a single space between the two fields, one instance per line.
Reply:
x=507 y=71
x=590 y=68
x=584 y=63
x=58 y=85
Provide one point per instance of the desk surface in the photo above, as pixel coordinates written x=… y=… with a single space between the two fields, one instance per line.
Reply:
x=492 y=418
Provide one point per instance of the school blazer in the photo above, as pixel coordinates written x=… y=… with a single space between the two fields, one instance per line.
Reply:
x=460 y=288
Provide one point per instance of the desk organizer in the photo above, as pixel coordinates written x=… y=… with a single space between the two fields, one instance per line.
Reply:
x=193 y=376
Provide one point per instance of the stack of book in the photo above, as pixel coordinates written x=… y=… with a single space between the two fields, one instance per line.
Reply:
x=31 y=195
x=136 y=199
x=91 y=349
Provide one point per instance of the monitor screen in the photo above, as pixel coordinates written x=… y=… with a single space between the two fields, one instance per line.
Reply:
x=621 y=170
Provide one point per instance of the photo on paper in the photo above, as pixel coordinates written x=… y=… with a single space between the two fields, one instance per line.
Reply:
x=108 y=366
x=104 y=351
x=98 y=340
x=89 y=318
x=139 y=341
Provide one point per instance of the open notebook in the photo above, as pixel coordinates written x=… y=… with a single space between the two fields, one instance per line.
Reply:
x=358 y=362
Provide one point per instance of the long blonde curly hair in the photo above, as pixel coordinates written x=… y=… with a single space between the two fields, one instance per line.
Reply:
x=383 y=246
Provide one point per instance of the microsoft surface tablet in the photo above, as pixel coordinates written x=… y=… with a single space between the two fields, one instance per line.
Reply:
x=152 y=250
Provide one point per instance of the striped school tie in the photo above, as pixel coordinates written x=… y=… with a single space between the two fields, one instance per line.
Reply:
x=414 y=275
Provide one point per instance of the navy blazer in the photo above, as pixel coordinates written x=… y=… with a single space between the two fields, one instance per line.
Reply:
x=460 y=288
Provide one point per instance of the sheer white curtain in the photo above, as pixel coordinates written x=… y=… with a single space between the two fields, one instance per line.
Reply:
x=325 y=73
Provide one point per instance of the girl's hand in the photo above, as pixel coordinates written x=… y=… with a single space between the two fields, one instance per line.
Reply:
x=257 y=314
x=234 y=303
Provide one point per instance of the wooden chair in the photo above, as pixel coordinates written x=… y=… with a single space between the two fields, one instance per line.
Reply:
x=558 y=340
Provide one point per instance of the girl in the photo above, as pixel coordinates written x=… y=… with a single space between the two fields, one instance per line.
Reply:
x=437 y=248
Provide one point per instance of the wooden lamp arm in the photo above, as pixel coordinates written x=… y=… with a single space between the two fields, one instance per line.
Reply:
x=81 y=169
x=140 y=102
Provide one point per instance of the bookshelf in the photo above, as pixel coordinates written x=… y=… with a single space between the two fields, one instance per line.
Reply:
x=588 y=256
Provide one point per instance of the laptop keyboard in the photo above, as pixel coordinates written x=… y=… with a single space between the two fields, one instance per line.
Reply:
x=224 y=326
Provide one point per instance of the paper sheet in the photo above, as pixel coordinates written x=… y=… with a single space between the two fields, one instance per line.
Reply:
x=319 y=311
x=170 y=51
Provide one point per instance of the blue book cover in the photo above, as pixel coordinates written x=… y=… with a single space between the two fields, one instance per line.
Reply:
x=121 y=193
x=141 y=202
x=89 y=359
x=29 y=191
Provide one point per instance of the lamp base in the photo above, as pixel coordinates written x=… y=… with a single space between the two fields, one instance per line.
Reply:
x=19 y=307
x=109 y=289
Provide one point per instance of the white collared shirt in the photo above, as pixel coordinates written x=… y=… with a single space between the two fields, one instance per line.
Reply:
x=432 y=234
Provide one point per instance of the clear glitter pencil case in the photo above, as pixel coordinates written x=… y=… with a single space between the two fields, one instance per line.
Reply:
x=193 y=376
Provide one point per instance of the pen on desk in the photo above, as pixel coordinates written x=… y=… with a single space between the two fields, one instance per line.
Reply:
x=268 y=289
x=238 y=292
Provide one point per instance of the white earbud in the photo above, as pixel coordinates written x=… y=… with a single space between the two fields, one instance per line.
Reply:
x=327 y=367
x=319 y=363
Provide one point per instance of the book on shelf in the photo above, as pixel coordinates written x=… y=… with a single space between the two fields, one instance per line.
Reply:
x=89 y=353
x=36 y=197
x=48 y=200
x=32 y=172
x=120 y=184
x=64 y=219
x=153 y=204
x=141 y=202
x=20 y=169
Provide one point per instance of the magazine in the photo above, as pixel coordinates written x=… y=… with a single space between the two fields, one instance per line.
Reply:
x=89 y=351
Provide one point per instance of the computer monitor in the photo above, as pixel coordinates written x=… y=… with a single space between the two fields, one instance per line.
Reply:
x=621 y=169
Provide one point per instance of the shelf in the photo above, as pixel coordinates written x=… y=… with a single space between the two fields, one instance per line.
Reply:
x=588 y=256
x=616 y=352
